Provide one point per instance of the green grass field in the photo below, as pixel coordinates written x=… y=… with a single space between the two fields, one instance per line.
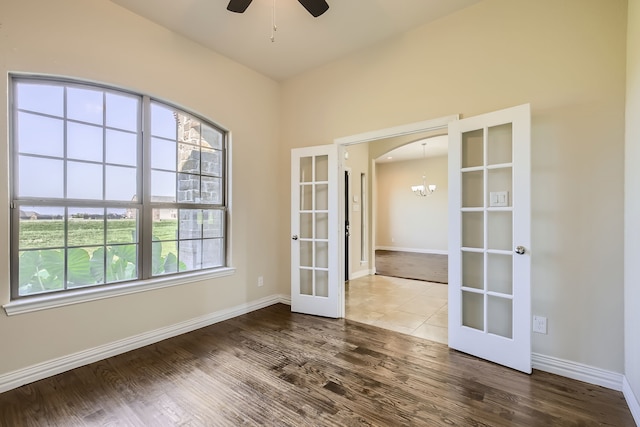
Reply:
x=39 y=234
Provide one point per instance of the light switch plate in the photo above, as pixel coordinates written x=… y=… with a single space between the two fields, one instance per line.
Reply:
x=498 y=199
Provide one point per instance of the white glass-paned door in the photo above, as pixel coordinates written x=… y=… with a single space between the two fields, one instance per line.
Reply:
x=314 y=227
x=489 y=241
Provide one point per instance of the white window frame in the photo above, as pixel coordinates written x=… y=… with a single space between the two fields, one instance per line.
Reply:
x=145 y=280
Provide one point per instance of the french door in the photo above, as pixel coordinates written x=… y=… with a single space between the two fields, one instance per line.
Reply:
x=315 y=269
x=489 y=237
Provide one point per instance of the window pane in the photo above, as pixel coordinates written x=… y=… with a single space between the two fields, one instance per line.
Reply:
x=85 y=105
x=121 y=183
x=164 y=258
x=122 y=112
x=122 y=226
x=190 y=223
x=47 y=99
x=212 y=253
x=163 y=186
x=40 y=177
x=84 y=142
x=85 y=227
x=40 y=135
x=211 y=190
x=211 y=162
x=163 y=122
x=84 y=181
x=41 y=227
x=40 y=271
x=188 y=188
x=79 y=263
x=190 y=255
x=121 y=263
x=165 y=224
x=212 y=223
x=189 y=158
x=211 y=138
x=122 y=148
x=163 y=154
x=188 y=129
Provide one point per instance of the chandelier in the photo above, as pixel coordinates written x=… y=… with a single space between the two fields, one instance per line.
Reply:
x=423 y=189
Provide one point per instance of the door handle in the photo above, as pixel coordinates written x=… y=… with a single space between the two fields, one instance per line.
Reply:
x=520 y=250
x=294 y=237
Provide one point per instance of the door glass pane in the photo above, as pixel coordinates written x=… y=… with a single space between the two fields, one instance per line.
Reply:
x=500 y=273
x=322 y=197
x=473 y=310
x=322 y=254
x=306 y=254
x=322 y=168
x=500 y=230
x=473 y=229
x=472 y=189
x=472 y=149
x=306 y=197
x=322 y=283
x=499 y=148
x=306 y=169
x=500 y=180
x=500 y=316
x=473 y=270
x=306 y=226
x=322 y=226
x=306 y=282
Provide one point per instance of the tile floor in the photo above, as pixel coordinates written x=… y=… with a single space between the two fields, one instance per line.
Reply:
x=411 y=307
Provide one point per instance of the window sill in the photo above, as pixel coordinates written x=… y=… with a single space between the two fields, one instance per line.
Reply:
x=44 y=302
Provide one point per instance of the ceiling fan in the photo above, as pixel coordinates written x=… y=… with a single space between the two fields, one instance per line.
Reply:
x=314 y=7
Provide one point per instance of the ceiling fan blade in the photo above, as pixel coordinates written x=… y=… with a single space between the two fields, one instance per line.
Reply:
x=315 y=7
x=238 y=6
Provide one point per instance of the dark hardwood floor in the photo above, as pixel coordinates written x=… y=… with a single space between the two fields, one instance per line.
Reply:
x=274 y=367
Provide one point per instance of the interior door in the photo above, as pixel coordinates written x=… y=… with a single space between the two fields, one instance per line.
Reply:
x=489 y=237
x=315 y=270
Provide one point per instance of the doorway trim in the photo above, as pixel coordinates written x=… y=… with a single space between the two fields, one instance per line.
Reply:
x=343 y=142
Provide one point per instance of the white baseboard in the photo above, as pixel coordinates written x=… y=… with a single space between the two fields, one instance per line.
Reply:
x=415 y=250
x=361 y=273
x=52 y=367
x=632 y=400
x=577 y=371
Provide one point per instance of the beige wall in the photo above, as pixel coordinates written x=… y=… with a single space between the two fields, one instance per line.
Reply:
x=404 y=220
x=358 y=163
x=565 y=58
x=97 y=40
x=632 y=204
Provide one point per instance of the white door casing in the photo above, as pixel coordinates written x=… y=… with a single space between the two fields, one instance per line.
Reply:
x=489 y=237
x=315 y=273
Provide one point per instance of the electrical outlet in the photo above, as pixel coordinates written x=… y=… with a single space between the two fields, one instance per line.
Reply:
x=540 y=324
x=260 y=281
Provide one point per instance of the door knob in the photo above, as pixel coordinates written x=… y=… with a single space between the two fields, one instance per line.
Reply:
x=520 y=250
x=294 y=237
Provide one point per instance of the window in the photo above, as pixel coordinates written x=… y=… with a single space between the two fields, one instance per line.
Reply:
x=109 y=186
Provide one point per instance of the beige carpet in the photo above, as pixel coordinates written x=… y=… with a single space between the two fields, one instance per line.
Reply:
x=412 y=265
